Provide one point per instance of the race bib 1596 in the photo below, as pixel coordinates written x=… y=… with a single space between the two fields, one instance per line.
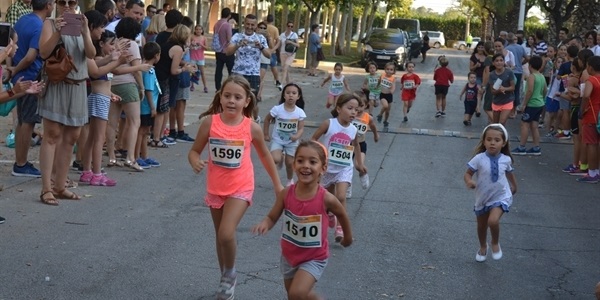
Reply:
x=226 y=153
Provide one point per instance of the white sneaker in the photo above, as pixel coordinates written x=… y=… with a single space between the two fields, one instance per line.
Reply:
x=349 y=192
x=289 y=182
x=364 y=181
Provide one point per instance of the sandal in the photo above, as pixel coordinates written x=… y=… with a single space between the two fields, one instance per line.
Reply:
x=68 y=184
x=48 y=200
x=133 y=165
x=120 y=153
x=157 y=144
x=66 y=194
x=114 y=163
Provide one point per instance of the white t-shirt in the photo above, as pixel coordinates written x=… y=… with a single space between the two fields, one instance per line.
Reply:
x=247 y=58
x=283 y=37
x=489 y=192
x=128 y=78
x=338 y=140
x=286 y=123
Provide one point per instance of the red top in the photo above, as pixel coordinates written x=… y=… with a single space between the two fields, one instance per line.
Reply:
x=304 y=231
x=230 y=168
x=409 y=86
x=443 y=76
x=590 y=114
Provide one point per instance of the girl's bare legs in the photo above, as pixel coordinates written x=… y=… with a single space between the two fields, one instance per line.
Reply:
x=301 y=286
x=482 y=226
x=55 y=153
x=384 y=109
x=114 y=113
x=141 y=148
x=443 y=103
x=180 y=114
x=225 y=221
x=132 y=125
x=92 y=159
x=158 y=126
x=201 y=69
x=262 y=79
x=494 y=224
x=83 y=137
x=289 y=169
x=277 y=157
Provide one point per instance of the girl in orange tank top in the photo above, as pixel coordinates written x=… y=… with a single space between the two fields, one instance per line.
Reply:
x=228 y=131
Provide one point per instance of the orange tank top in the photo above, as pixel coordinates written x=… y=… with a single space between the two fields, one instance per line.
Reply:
x=230 y=168
x=362 y=124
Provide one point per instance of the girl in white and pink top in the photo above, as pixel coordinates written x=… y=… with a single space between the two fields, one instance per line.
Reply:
x=197 y=47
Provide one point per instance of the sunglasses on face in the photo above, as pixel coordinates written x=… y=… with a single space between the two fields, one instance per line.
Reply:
x=290 y=26
x=152 y=11
x=262 y=27
x=64 y=3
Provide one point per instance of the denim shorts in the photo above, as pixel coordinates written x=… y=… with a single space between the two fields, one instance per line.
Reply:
x=288 y=149
x=313 y=267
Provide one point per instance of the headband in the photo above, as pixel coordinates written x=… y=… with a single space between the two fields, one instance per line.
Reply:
x=324 y=150
x=495 y=126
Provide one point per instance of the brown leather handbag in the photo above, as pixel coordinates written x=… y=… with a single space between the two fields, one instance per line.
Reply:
x=59 y=64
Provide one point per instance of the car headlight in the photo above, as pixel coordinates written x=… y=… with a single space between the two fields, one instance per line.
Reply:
x=400 y=50
x=368 y=48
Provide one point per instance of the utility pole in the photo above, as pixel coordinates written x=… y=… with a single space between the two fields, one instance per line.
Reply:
x=521 y=23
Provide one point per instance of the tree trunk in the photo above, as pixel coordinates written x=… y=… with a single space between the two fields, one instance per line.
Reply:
x=349 y=29
x=297 y=16
x=387 y=19
x=334 y=30
x=326 y=25
x=372 y=17
x=340 y=44
x=284 y=16
x=361 y=29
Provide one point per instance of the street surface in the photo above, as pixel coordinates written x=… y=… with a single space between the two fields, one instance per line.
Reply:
x=151 y=237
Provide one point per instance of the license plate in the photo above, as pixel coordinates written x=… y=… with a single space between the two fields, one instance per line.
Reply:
x=383 y=57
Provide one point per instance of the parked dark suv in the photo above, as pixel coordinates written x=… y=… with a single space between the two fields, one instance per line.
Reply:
x=385 y=45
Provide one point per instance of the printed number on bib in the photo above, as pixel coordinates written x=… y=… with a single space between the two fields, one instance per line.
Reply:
x=362 y=127
x=340 y=155
x=286 y=128
x=386 y=83
x=302 y=231
x=226 y=153
x=409 y=84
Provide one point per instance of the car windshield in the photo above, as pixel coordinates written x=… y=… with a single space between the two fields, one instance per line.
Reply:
x=404 y=24
x=388 y=35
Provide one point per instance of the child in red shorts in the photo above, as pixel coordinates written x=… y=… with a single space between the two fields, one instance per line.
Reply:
x=590 y=106
x=409 y=83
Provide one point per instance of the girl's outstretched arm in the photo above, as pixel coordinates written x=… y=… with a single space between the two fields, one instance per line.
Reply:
x=271 y=219
x=346 y=85
x=512 y=181
x=266 y=124
x=198 y=146
x=326 y=79
x=335 y=207
x=258 y=140
x=300 y=131
x=321 y=131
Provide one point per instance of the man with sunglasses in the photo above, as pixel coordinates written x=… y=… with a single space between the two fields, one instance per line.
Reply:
x=28 y=64
x=150 y=12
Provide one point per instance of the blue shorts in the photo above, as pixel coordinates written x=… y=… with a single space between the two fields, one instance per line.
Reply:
x=264 y=66
x=552 y=105
x=273 y=60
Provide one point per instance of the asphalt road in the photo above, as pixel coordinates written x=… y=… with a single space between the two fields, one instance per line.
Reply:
x=151 y=237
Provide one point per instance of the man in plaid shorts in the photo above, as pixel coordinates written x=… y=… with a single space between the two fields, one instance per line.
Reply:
x=248 y=46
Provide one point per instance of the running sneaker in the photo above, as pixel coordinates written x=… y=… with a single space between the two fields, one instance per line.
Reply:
x=332 y=220
x=405 y=120
x=534 y=151
x=578 y=172
x=386 y=126
x=443 y=113
x=466 y=123
x=142 y=163
x=77 y=166
x=519 y=151
x=86 y=177
x=379 y=118
x=102 y=180
x=349 y=192
x=364 y=181
x=438 y=114
x=2 y=220
x=570 y=168
x=184 y=137
x=27 y=170
x=168 y=141
x=562 y=136
x=589 y=179
x=226 y=288
x=279 y=86
x=152 y=162
x=339 y=234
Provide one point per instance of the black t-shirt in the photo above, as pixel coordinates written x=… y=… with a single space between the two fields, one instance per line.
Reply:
x=163 y=67
x=162 y=37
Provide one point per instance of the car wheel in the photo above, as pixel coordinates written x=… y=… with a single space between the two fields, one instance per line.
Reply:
x=461 y=47
x=437 y=45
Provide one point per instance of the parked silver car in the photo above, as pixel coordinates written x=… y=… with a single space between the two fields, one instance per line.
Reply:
x=436 y=38
x=462 y=45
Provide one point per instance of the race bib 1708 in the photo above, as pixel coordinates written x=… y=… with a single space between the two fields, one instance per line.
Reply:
x=226 y=153
x=302 y=231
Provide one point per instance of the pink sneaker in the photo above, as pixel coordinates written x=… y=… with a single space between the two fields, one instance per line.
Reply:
x=339 y=234
x=86 y=177
x=102 y=180
x=332 y=220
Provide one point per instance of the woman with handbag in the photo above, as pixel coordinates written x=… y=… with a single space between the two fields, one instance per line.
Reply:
x=289 y=46
x=63 y=106
x=314 y=46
